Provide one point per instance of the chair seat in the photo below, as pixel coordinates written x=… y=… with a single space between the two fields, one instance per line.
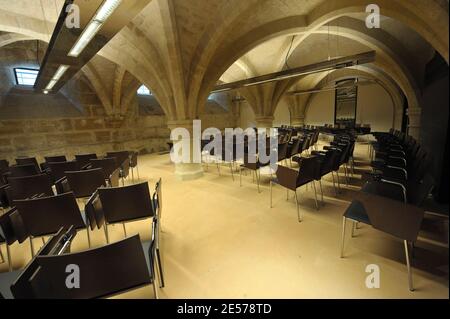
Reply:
x=357 y=212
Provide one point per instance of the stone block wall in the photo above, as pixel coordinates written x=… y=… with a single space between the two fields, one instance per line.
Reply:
x=80 y=135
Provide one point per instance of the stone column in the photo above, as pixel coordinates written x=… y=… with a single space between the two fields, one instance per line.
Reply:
x=298 y=121
x=398 y=119
x=192 y=169
x=415 y=117
x=264 y=121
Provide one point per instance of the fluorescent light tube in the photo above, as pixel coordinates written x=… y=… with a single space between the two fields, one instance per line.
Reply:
x=51 y=84
x=58 y=74
x=94 y=26
x=106 y=10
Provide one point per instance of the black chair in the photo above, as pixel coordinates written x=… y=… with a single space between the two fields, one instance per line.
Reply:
x=114 y=178
x=58 y=170
x=28 y=161
x=84 y=183
x=123 y=160
x=94 y=212
x=52 y=159
x=30 y=186
x=4 y=168
x=293 y=149
x=120 y=156
x=55 y=159
x=2 y=241
x=108 y=164
x=154 y=249
x=104 y=272
x=60 y=243
x=125 y=204
x=292 y=179
x=12 y=230
x=134 y=165
x=45 y=216
x=253 y=165
x=23 y=170
x=84 y=159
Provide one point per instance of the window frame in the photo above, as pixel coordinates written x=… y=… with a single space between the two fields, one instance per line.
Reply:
x=25 y=69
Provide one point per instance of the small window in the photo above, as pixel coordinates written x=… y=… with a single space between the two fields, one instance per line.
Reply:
x=26 y=76
x=143 y=90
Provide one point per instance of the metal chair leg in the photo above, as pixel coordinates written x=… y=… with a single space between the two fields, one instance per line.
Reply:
x=31 y=246
x=298 y=208
x=287 y=194
x=231 y=168
x=88 y=236
x=408 y=265
x=2 y=258
x=8 y=254
x=155 y=288
x=160 y=269
x=353 y=229
x=240 y=177
x=105 y=227
x=321 y=191
x=344 y=222
x=315 y=195
x=257 y=180
x=271 y=194
x=132 y=175
x=124 y=230
x=334 y=184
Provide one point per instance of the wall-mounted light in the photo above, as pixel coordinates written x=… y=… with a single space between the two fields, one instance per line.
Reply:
x=58 y=74
x=103 y=13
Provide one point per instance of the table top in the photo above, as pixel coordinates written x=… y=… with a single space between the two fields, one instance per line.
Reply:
x=393 y=217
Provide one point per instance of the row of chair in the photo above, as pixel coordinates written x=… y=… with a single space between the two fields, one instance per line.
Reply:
x=20 y=184
x=314 y=167
x=400 y=183
x=43 y=216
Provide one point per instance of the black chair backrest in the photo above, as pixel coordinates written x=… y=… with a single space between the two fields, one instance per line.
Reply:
x=383 y=189
x=114 y=178
x=287 y=177
x=9 y=229
x=108 y=164
x=58 y=170
x=84 y=159
x=134 y=159
x=157 y=198
x=120 y=156
x=282 y=151
x=55 y=159
x=85 y=183
x=27 y=187
x=104 y=272
x=94 y=211
x=45 y=216
x=24 y=170
x=309 y=167
x=4 y=165
x=22 y=287
x=418 y=192
x=28 y=161
x=121 y=204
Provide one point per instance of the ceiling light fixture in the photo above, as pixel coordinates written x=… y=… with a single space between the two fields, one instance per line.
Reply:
x=333 y=64
x=104 y=12
x=58 y=74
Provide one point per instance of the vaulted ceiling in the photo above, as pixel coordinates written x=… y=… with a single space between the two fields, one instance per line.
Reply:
x=182 y=48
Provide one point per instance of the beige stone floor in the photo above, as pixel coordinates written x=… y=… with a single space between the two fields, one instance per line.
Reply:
x=220 y=240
